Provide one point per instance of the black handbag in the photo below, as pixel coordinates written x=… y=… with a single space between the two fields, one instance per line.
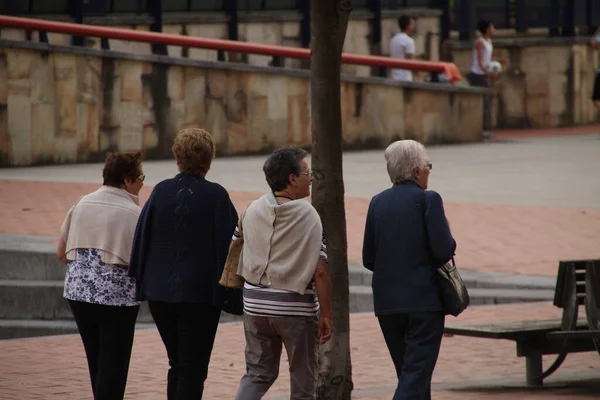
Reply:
x=454 y=294
x=233 y=302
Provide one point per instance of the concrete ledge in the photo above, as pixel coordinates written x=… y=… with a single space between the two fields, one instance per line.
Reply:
x=230 y=66
x=32 y=265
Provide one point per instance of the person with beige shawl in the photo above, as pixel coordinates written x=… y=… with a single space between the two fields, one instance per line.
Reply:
x=95 y=242
x=284 y=265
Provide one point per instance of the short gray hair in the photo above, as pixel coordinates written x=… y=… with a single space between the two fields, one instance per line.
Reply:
x=402 y=157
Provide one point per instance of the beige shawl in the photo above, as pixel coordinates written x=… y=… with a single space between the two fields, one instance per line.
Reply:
x=281 y=244
x=106 y=220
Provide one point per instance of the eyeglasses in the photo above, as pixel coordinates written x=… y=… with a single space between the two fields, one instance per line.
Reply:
x=142 y=177
x=309 y=173
x=429 y=166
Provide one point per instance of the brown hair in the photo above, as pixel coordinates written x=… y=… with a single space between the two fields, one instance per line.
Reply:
x=119 y=166
x=194 y=151
x=281 y=164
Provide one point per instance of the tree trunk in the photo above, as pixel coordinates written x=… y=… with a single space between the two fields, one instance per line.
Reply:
x=329 y=19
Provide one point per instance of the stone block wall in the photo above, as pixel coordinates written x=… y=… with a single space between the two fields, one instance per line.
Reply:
x=65 y=105
x=548 y=84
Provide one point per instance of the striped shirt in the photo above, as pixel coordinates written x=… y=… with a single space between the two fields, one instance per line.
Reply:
x=263 y=301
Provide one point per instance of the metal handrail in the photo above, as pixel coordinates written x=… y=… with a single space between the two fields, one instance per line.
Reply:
x=447 y=68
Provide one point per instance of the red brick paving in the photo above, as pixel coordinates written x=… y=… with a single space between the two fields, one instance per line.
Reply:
x=503 y=238
x=55 y=367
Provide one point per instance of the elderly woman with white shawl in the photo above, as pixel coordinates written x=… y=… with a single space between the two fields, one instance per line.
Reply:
x=284 y=264
x=95 y=242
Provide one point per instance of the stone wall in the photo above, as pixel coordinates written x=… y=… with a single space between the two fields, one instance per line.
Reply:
x=282 y=29
x=548 y=84
x=66 y=105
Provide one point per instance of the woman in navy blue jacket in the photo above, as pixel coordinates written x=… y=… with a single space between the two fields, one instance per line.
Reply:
x=179 y=251
x=405 y=293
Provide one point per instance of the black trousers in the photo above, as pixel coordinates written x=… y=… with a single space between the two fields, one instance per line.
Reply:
x=483 y=81
x=413 y=340
x=107 y=334
x=188 y=331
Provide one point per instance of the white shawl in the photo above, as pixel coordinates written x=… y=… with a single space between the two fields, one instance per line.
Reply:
x=281 y=244
x=104 y=220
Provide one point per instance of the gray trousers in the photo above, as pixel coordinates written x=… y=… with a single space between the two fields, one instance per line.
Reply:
x=264 y=339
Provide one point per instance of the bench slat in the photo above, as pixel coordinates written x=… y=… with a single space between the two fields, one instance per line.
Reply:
x=512 y=330
x=583 y=334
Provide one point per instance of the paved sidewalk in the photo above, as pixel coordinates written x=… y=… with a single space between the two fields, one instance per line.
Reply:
x=517 y=204
x=502 y=238
x=54 y=368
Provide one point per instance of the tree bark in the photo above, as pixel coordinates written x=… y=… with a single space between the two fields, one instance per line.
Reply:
x=329 y=19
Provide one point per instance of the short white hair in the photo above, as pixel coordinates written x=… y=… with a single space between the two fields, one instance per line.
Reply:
x=402 y=157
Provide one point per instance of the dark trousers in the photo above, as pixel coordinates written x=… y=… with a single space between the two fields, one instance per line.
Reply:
x=483 y=81
x=413 y=340
x=188 y=331
x=107 y=335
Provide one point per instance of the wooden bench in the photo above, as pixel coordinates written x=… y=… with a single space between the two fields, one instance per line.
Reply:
x=577 y=284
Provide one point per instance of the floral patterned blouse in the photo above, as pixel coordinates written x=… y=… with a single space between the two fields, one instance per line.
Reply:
x=89 y=280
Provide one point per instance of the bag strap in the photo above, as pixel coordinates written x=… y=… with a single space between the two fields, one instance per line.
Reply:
x=240 y=220
x=426 y=231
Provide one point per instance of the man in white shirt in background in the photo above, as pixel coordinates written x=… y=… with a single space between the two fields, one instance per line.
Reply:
x=403 y=46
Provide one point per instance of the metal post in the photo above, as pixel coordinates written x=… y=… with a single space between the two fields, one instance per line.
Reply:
x=533 y=370
x=444 y=6
x=568 y=22
x=231 y=8
x=520 y=16
x=304 y=8
x=464 y=17
x=76 y=11
x=593 y=16
x=375 y=8
x=155 y=11
x=554 y=20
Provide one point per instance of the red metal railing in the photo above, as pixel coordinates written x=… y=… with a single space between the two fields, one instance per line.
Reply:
x=219 y=44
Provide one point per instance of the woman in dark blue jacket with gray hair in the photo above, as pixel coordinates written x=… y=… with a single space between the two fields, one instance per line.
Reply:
x=404 y=263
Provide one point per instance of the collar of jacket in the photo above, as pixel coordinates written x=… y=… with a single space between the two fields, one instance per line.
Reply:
x=187 y=176
x=407 y=182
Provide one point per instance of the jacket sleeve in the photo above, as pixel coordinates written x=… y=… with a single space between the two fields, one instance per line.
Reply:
x=368 y=251
x=441 y=241
x=226 y=219
x=141 y=240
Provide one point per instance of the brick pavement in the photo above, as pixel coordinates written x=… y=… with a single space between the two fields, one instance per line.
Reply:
x=518 y=239
x=54 y=368
x=503 y=238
